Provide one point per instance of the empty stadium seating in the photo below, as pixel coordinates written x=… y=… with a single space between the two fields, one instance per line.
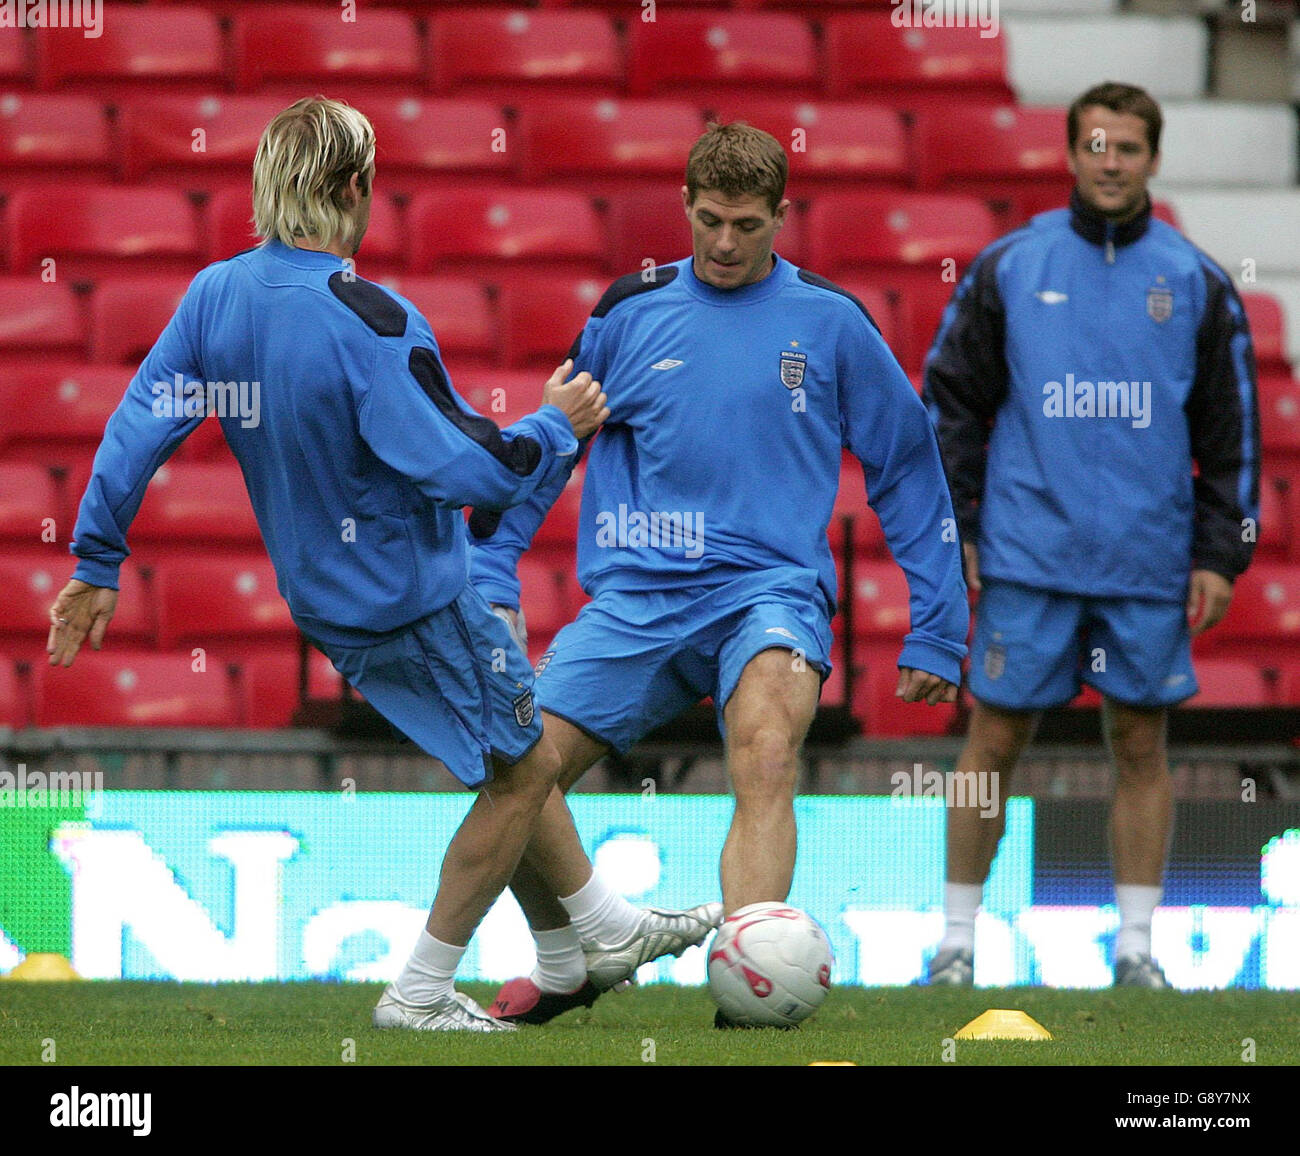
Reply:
x=127 y=314
x=269 y=682
x=513 y=54
x=53 y=136
x=489 y=232
x=28 y=496
x=193 y=504
x=94 y=230
x=461 y=314
x=54 y=413
x=222 y=602
x=421 y=143
x=542 y=315
x=41 y=318
x=118 y=687
x=829 y=143
x=157 y=50
x=32 y=579
x=913 y=68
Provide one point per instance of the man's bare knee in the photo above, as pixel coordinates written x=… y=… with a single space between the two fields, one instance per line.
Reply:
x=764 y=766
x=529 y=781
x=1000 y=735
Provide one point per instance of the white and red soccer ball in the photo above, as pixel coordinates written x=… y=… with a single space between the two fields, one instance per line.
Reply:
x=769 y=966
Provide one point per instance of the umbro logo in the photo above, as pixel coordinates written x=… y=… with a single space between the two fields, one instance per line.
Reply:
x=781 y=630
x=667 y=363
x=1051 y=296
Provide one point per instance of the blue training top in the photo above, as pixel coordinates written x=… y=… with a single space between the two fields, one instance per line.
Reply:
x=357 y=452
x=728 y=411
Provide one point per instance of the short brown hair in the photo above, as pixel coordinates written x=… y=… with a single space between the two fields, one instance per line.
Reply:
x=739 y=161
x=1123 y=98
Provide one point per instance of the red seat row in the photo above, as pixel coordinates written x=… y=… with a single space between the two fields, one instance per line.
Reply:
x=513 y=50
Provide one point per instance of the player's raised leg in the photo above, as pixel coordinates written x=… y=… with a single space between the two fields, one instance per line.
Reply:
x=993 y=746
x=479 y=861
x=767 y=717
x=1141 y=823
x=588 y=938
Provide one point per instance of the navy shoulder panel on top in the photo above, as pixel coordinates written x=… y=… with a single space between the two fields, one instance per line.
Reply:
x=520 y=455
x=368 y=301
x=825 y=283
x=631 y=285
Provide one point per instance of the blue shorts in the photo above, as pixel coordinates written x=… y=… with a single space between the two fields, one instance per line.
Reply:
x=634 y=660
x=455 y=683
x=1032 y=648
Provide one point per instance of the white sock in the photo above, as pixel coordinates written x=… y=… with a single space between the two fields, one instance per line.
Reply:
x=599 y=912
x=561 y=968
x=961 y=903
x=429 y=974
x=1136 y=902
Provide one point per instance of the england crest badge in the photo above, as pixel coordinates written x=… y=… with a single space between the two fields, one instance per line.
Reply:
x=792 y=368
x=1160 y=303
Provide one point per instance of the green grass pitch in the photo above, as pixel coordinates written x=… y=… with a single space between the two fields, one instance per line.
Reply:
x=315 y=1024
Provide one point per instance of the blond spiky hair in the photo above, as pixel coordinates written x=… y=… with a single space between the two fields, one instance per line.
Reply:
x=304 y=161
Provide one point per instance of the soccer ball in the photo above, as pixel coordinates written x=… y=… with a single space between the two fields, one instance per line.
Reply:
x=769 y=966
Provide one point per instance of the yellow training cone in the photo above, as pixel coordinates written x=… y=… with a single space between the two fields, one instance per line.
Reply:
x=43 y=965
x=998 y=1024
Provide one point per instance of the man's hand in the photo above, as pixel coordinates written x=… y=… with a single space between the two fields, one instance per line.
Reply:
x=971 y=556
x=916 y=685
x=580 y=399
x=515 y=620
x=78 y=611
x=1208 y=596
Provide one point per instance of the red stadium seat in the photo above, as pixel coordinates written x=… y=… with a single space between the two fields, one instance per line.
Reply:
x=164 y=49
x=607 y=145
x=127 y=315
x=296 y=46
x=1020 y=160
x=829 y=142
x=504 y=395
x=199 y=503
x=488 y=232
x=889 y=230
x=228 y=226
x=49 y=408
x=1230 y=682
x=544 y=597
x=541 y=316
x=916 y=245
x=39 y=317
x=1275 y=534
x=1267 y=332
x=883 y=714
x=15 y=57
x=220 y=601
x=511 y=54
x=1279 y=414
x=913 y=68
x=560 y=527
x=881 y=606
x=1263 y=621
x=95 y=231
x=851 y=501
x=124 y=689
x=46 y=137
x=707 y=53
x=32 y=579
x=160 y=137
x=651 y=224
x=13 y=705
x=270 y=685
x=28 y=497
x=460 y=312
x=420 y=142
